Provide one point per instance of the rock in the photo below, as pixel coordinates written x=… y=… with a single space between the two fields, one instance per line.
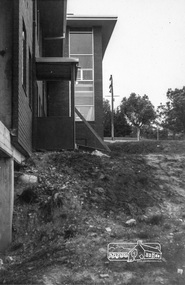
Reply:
x=9 y=259
x=103 y=177
x=131 y=222
x=99 y=153
x=103 y=250
x=28 y=179
x=93 y=234
x=100 y=190
x=104 y=275
x=108 y=229
x=180 y=271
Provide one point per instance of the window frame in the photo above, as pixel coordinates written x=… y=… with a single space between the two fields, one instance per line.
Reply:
x=81 y=72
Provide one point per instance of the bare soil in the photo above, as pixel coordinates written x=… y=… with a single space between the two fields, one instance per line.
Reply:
x=81 y=203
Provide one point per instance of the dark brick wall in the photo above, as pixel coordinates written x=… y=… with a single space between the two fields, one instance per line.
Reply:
x=58 y=92
x=6 y=23
x=22 y=114
x=58 y=98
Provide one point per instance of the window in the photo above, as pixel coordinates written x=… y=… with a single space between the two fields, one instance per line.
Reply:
x=81 y=47
x=24 y=56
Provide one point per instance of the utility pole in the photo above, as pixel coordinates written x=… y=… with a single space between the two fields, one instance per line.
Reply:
x=111 y=91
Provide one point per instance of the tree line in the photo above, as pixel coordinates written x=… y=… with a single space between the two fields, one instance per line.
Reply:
x=136 y=116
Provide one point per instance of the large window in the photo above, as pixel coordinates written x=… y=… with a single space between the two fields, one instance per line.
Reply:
x=24 y=56
x=81 y=47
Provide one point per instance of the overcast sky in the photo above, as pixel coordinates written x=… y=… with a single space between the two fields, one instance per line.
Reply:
x=146 y=53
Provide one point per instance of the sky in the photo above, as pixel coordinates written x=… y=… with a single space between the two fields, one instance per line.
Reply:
x=146 y=53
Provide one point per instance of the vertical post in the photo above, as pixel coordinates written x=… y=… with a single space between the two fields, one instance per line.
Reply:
x=112 y=104
x=73 y=103
x=6 y=201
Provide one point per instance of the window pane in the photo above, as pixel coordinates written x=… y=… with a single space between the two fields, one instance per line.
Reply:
x=79 y=74
x=87 y=112
x=85 y=83
x=87 y=74
x=85 y=100
x=83 y=88
x=81 y=43
x=85 y=61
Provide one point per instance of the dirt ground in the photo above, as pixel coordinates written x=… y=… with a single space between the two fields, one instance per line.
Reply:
x=63 y=224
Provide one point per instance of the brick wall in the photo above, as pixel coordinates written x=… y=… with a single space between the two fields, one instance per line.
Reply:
x=22 y=113
x=6 y=23
x=58 y=98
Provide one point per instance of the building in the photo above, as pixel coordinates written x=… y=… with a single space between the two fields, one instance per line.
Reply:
x=87 y=40
x=39 y=67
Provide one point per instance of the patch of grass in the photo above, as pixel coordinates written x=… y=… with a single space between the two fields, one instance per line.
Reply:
x=136 y=147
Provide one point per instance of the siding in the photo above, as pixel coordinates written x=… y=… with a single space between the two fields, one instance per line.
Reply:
x=22 y=114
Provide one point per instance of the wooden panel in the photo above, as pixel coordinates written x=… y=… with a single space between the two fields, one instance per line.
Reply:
x=55 y=133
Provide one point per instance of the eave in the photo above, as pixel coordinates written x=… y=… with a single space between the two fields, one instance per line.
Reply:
x=106 y=23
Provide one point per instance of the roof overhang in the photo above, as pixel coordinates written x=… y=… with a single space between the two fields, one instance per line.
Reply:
x=53 y=17
x=106 y=23
x=56 y=68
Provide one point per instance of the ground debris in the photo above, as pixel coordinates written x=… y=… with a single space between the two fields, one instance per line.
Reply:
x=84 y=202
x=104 y=275
x=131 y=222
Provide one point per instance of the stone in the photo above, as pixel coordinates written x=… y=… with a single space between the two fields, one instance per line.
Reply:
x=102 y=250
x=131 y=222
x=28 y=179
x=180 y=271
x=108 y=229
x=104 y=275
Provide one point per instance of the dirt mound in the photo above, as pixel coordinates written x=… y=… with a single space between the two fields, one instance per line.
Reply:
x=63 y=224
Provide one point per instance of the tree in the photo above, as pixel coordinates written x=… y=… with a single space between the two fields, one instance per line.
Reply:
x=138 y=110
x=106 y=118
x=121 y=126
x=172 y=114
